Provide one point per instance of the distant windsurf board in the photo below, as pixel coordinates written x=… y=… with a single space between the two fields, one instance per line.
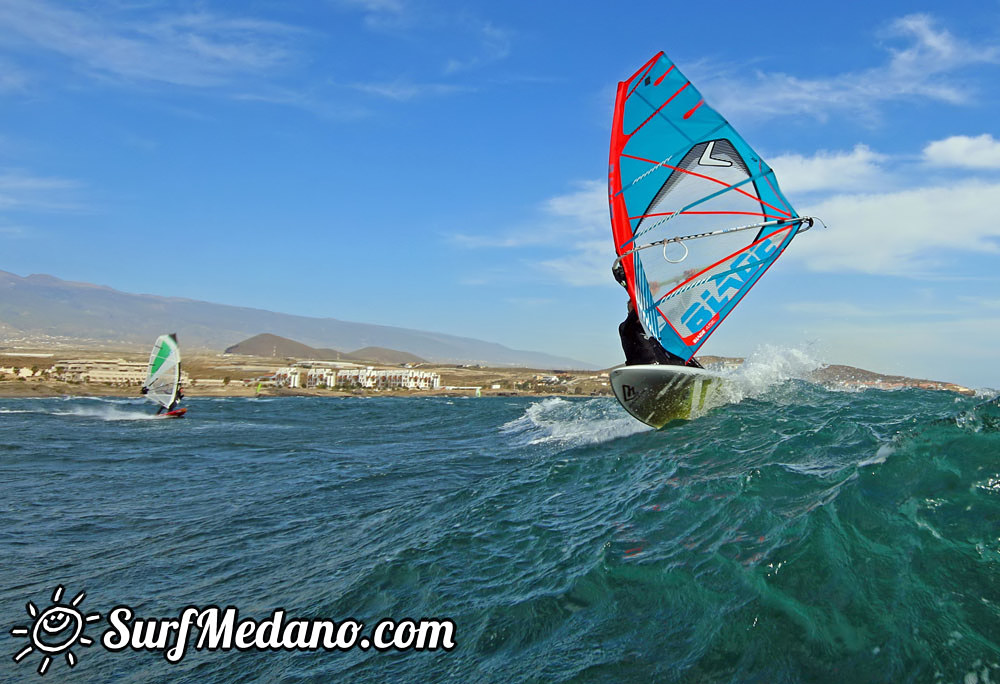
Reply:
x=176 y=413
x=657 y=395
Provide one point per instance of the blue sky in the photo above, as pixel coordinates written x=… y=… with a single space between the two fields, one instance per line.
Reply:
x=442 y=166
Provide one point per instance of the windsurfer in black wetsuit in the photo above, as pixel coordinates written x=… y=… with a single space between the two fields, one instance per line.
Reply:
x=177 y=399
x=173 y=404
x=639 y=347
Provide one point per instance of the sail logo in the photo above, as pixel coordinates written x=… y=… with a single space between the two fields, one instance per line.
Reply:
x=628 y=392
x=708 y=160
x=695 y=339
x=702 y=315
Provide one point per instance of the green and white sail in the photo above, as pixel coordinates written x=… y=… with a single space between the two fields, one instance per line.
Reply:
x=164 y=374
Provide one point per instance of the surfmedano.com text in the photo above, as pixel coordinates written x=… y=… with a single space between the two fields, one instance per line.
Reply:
x=221 y=629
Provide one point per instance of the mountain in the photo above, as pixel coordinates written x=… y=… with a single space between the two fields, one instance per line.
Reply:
x=273 y=346
x=42 y=307
x=849 y=376
x=383 y=355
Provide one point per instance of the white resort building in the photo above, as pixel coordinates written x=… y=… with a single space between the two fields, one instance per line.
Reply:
x=110 y=371
x=367 y=378
x=114 y=371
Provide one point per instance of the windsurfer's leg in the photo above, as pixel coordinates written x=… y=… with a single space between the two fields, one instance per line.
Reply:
x=660 y=356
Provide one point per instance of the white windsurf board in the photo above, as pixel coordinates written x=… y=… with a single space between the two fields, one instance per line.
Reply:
x=659 y=394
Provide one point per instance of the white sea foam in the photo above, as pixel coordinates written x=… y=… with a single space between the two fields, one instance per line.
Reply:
x=108 y=400
x=555 y=420
x=768 y=367
x=883 y=453
x=105 y=413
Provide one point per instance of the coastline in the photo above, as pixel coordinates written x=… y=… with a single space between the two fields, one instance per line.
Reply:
x=36 y=373
x=12 y=389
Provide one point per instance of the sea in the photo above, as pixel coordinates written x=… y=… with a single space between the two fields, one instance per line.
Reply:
x=795 y=533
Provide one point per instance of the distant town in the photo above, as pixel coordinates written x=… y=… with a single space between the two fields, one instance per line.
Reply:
x=34 y=372
x=269 y=365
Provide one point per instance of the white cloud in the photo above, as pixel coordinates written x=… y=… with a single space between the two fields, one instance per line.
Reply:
x=564 y=220
x=903 y=233
x=391 y=6
x=576 y=224
x=402 y=91
x=494 y=45
x=585 y=264
x=885 y=231
x=861 y=168
x=980 y=152
x=530 y=302
x=861 y=311
x=11 y=78
x=381 y=15
x=923 y=69
x=192 y=49
x=22 y=191
x=581 y=226
x=511 y=240
x=982 y=302
x=586 y=207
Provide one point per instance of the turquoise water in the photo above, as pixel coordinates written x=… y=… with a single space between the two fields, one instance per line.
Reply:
x=799 y=534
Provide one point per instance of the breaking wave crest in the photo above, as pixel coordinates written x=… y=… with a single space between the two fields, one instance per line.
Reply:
x=764 y=370
x=572 y=422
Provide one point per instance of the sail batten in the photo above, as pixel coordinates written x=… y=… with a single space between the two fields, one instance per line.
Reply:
x=696 y=201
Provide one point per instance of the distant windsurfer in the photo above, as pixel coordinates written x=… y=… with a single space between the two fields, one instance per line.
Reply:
x=177 y=399
x=173 y=404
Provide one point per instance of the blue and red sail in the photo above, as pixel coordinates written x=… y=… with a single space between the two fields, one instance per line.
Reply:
x=696 y=214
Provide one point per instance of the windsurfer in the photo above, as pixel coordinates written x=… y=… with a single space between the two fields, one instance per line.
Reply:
x=641 y=348
x=177 y=399
x=173 y=404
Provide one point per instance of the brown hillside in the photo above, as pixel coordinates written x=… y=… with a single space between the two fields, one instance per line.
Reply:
x=383 y=355
x=275 y=347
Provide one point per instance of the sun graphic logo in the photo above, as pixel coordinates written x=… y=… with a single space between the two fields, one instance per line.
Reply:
x=55 y=630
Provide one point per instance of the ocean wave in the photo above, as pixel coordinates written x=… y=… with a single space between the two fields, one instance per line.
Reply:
x=767 y=368
x=572 y=422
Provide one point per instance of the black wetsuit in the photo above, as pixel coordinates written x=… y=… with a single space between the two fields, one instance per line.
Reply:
x=640 y=349
x=173 y=404
x=177 y=400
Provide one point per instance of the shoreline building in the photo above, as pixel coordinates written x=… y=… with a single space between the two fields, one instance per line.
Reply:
x=297 y=377
x=111 y=371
